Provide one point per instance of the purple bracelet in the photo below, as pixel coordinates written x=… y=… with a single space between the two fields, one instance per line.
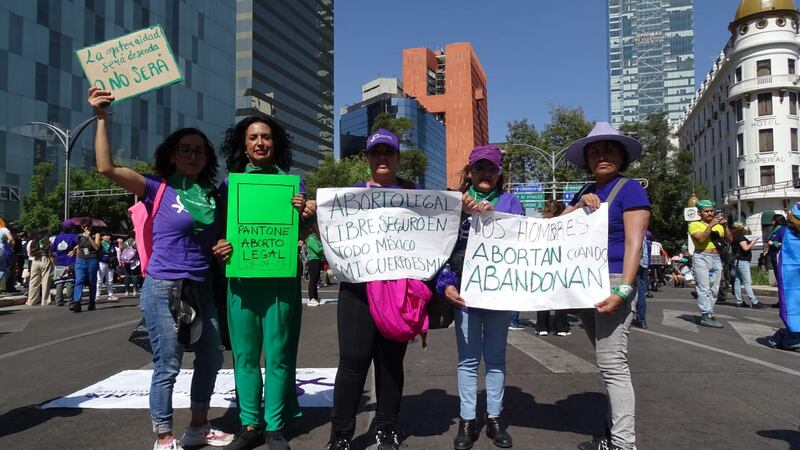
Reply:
x=445 y=278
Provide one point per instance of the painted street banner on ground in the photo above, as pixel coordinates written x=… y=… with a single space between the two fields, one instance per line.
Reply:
x=518 y=263
x=387 y=234
x=131 y=65
x=130 y=389
x=263 y=226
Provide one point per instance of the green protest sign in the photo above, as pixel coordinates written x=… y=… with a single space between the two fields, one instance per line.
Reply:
x=263 y=225
x=131 y=65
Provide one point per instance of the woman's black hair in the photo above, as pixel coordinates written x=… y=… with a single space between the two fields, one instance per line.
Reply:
x=164 y=167
x=233 y=146
x=779 y=219
x=625 y=157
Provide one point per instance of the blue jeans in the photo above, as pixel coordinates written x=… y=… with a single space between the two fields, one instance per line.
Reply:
x=168 y=353
x=641 y=295
x=481 y=332
x=85 y=274
x=707 y=268
x=742 y=269
x=514 y=317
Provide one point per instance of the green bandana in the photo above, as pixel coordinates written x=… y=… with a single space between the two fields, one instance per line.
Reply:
x=197 y=200
x=490 y=197
x=269 y=170
x=106 y=246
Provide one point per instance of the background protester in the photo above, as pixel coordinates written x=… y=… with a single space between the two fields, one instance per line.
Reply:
x=776 y=239
x=316 y=256
x=263 y=313
x=86 y=265
x=131 y=265
x=788 y=276
x=560 y=323
x=479 y=332
x=185 y=226
x=743 y=254
x=64 y=248
x=642 y=282
x=706 y=262
x=107 y=264
x=6 y=256
x=360 y=342
x=41 y=269
x=606 y=154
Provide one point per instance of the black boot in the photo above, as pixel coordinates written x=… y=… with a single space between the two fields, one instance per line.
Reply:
x=497 y=432
x=467 y=434
x=338 y=444
x=387 y=439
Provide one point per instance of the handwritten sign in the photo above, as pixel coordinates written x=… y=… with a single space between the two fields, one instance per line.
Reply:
x=515 y=263
x=387 y=234
x=130 y=65
x=263 y=225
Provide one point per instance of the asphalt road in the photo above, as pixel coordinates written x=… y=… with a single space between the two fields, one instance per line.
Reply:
x=695 y=387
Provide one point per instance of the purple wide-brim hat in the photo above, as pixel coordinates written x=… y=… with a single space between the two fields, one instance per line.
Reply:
x=603 y=131
x=383 y=136
x=491 y=153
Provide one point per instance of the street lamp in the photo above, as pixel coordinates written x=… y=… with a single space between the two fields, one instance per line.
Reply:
x=67 y=138
x=554 y=156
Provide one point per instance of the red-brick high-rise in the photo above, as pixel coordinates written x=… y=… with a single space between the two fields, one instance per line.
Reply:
x=451 y=83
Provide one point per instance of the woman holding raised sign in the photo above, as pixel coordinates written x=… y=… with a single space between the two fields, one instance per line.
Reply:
x=606 y=153
x=479 y=332
x=185 y=227
x=263 y=313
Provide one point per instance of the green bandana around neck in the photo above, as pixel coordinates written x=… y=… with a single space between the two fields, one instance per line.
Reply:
x=106 y=245
x=491 y=197
x=197 y=200
x=269 y=170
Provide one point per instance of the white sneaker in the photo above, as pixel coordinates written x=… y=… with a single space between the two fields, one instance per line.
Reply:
x=564 y=333
x=542 y=333
x=113 y=298
x=313 y=302
x=205 y=435
x=172 y=445
x=321 y=301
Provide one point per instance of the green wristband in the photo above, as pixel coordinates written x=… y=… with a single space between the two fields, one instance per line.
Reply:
x=624 y=291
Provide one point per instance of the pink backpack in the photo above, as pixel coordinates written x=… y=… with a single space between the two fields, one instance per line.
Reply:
x=143 y=226
x=398 y=308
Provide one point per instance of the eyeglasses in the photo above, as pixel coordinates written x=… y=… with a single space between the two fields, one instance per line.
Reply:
x=187 y=151
x=487 y=168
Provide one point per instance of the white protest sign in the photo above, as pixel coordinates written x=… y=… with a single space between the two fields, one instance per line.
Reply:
x=387 y=234
x=130 y=389
x=131 y=65
x=691 y=214
x=517 y=263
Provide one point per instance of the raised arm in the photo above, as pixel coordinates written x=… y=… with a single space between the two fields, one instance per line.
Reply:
x=128 y=179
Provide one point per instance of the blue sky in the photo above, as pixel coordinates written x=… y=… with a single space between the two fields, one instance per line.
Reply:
x=536 y=53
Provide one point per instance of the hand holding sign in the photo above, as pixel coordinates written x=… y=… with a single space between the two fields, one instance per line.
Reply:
x=100 y=100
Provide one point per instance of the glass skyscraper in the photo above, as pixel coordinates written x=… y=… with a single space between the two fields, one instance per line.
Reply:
x=650 y=58
x=284 y=68
x=41 y=80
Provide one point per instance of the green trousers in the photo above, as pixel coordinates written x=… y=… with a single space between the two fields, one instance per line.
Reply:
x=264 y=317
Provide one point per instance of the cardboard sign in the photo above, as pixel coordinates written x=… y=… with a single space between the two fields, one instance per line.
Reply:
x=131 y=65
x=387 y=234
x=263 y=226
x=516 y=263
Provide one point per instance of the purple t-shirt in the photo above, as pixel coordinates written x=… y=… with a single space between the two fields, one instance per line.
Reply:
x=62 y=244
x=177 y=251
x=630 y=196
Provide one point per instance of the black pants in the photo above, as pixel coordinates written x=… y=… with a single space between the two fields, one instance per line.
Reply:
x=559 y=324
x=360 y=343
x=314 y=266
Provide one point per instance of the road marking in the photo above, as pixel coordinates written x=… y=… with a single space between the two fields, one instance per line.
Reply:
x=70 y=338
x=750 y=332
x=553 y=358
x=332 y=301
x=13 y=326
x=674 y=319
x=724 y=352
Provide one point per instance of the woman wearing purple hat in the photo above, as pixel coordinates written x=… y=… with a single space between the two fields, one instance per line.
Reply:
x=606 y=153
x=479 y=332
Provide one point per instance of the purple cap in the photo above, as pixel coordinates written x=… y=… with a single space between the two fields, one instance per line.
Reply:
x=383 y=136
x=491 y=153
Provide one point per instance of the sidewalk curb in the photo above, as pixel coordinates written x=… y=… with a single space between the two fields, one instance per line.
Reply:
x=14 y=301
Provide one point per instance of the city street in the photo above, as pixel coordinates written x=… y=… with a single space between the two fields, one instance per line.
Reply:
x=695 y=387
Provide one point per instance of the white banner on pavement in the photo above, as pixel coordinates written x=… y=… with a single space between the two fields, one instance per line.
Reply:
x=130 y=389
x=518 y=263
x=387 y=234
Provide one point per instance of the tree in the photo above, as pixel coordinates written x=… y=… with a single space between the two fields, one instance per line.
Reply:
x=41 y=209
x=566 y=126
x=521 y=164
x=333 y=173
x=413 y=163
x=401 y=126
x=668 y=172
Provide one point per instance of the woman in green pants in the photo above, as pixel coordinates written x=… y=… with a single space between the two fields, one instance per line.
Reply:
x=263 y=313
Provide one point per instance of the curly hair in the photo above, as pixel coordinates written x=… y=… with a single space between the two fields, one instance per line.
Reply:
x=234 y=150
x=164 y=167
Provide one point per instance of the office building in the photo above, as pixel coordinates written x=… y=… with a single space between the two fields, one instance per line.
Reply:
x=451 y=84
x=650 y=58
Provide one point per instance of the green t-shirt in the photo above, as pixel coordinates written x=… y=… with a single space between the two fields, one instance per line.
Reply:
x=314 y=248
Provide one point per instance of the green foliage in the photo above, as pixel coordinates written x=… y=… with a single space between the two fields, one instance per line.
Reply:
x=413 y=163
x=333 y=173
x=521 y=163
x=668 y=171
x=401 y=126
x=40 y=208
x=113 y=210
x=566 y=126
x=759 y=275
